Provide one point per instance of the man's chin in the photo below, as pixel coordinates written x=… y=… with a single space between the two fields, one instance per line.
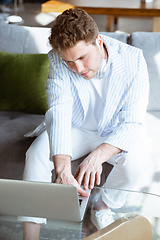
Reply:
x=88 y=76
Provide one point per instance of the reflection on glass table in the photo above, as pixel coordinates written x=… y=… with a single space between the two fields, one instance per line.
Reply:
x=127 y=218
x=137 y=204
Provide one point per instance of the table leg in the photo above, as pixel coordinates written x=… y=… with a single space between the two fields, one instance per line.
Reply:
x=109 y=23
x=115 y=23
x=110 y=20
x=156 y=24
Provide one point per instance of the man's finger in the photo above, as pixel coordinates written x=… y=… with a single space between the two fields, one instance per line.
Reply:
x=76 y=174
x=80 y=177
x=92 y=180
x=82 y=192
x=98 y=178
x=86 y=180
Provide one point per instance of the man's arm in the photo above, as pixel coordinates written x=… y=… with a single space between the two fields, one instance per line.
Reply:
x=58 y=122
x=91 y=168
x=62 y=164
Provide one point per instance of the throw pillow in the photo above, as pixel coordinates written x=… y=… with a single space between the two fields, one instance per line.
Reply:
x=23 y=82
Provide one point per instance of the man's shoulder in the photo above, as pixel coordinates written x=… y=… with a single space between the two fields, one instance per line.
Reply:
x=127 y=55
x=123 y=55
x=119 y=46
x=56 y=61
x=53 y=56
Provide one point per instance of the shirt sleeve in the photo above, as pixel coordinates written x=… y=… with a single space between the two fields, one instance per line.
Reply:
x=58 y=117
x=132 y=114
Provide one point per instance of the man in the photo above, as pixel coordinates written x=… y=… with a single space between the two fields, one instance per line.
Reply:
x=97 y=96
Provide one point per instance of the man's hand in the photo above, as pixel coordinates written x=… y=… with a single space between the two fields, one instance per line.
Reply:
x=62 y=164
x=91 y=168
x=90 y=171
x=68 y=178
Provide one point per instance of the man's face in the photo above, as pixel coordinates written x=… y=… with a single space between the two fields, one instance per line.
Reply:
x=84 y=58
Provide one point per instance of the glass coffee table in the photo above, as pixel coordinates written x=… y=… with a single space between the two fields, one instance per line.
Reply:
x=137 y=204
x=142 y=204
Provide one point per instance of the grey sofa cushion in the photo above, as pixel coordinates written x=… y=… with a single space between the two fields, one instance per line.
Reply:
x=123 y=37
x=150 y=44
x=22 y=39
x=12 y=38
x=13 y=144
x=39 y=44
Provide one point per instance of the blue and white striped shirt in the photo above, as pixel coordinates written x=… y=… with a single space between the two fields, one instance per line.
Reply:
x=125 y=104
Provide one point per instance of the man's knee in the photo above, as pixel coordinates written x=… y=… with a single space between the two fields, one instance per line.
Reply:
x=39 y=149
x=134 y=167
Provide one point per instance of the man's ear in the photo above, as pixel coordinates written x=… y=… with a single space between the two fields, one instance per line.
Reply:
x=99 y=41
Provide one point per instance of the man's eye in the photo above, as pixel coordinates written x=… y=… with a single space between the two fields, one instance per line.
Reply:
x=81 y=58
x=69 y=63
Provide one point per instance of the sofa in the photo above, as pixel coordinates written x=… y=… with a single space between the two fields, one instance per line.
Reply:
x=23 y=71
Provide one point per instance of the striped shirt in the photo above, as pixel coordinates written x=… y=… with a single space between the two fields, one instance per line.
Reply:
x=125 y=100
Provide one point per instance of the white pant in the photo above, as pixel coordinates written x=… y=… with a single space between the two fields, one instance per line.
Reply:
x=127 y=168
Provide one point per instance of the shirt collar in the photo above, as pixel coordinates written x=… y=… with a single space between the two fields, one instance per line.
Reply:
x=104 y=68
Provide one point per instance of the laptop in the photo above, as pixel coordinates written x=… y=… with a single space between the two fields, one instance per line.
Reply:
x=36 y=199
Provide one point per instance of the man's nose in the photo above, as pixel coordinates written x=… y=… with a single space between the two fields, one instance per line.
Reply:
x=79 y=66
